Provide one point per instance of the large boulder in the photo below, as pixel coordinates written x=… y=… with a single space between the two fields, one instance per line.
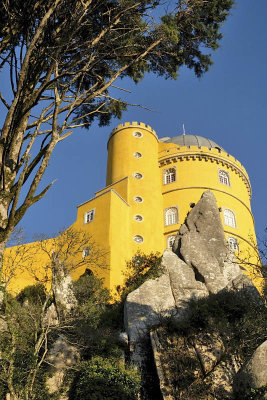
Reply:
x=147 y=306
x=61 y=357
x=183 y=280
x=62 y=287
x=194 y=362
x=199 y=264
x=200 y=242
x=165 y=296
x=254 y=373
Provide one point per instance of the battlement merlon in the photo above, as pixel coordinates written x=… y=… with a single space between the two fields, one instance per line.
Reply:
x=136 y=125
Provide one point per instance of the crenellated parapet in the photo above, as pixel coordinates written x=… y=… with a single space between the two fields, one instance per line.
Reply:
x=135 y=125
x=214 y=155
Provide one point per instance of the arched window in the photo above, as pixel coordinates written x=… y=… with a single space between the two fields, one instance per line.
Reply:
x=229 y=218
x=169 y=175
x=170 y=241
x=224 y=177
x=171 y=216
x=233 y=243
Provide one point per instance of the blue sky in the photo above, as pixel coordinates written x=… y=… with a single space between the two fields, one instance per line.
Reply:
x=227 y=105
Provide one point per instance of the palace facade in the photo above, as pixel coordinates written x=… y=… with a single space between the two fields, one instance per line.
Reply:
x=151 y=185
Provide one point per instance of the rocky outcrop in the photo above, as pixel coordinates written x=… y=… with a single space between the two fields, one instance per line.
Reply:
x=184 y=362
x=62 y=287
x=147 y=306
x=163 y=297
x=62 y=355
x=254 y=372
x=209 y=348
x=200 y=265
x=200 y=242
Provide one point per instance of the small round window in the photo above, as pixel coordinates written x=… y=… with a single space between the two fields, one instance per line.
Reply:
x=138 y=239
x=137 y=155
x=138 y=218
x=137 y=134
x=138 y=199
x=138 y=175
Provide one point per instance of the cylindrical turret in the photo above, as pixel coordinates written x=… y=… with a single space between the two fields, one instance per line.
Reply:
x=133 y=152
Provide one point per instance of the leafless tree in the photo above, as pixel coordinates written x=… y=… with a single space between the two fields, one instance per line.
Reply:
x=28 y=320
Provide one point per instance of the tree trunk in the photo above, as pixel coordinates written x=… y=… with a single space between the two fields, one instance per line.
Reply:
x=2 y=249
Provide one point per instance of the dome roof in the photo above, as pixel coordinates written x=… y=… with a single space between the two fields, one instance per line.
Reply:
x=192 y=140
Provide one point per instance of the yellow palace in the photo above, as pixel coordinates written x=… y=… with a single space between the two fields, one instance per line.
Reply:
x=151 y=185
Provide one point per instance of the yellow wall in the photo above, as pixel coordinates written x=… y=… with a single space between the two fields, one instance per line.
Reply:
x=114 y=226
x=26 y=265
x=122 y=146
x=121 y=187
x=118 y=239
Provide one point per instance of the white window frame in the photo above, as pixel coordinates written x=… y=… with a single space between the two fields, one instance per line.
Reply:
x=137 y=134
x=86 y=252
x=230 y=219
x=224 y=177
x=138 y=197
x=137 y=154
x=137 y=237
x=171 y=219
x=136 y=216
x=89 y=216
x=233 y=243
x=138 y=175
x=169 y=177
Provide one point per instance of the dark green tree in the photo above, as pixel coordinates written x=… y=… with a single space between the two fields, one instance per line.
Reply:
x=64 y=56
x=101 y=379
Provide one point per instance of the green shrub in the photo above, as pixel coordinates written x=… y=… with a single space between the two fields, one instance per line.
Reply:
x=100 y=379
x=89 y=287
x=35 y=294
x=139 y=269
x=252 y=394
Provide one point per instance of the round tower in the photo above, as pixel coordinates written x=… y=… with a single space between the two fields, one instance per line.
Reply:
x=133 y=153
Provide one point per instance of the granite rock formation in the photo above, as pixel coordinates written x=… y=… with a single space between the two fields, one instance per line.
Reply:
x=199 y=265
x=62 y=288
x=254 y=372
x=62 y=354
